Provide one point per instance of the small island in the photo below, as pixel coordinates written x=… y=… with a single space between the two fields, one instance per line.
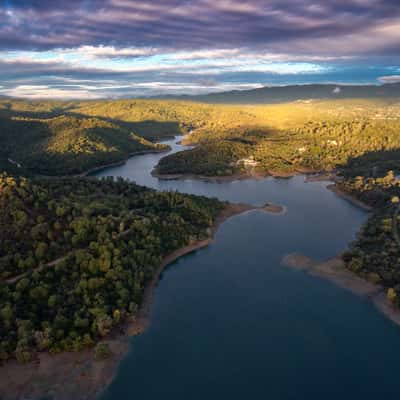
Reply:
x=273 y=208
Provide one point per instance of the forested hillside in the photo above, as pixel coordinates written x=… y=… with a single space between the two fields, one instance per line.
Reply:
x=210 y=159
x=66 y=138
x=64 y=145
x=76 y=254
x=56 y=138
x=296 y=137
x=375 y=254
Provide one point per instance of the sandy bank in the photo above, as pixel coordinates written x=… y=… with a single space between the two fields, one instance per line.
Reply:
x=297 y=261
x=335 y=271
x=321 y=177
x=77 y=375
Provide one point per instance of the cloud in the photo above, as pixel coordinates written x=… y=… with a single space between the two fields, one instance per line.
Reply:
x=389 y=79
x=108 y=60
x=46 y=92
x=108 y=51
x=119 y=47
x=278 y=25
x=91 y=92
x=206 y=54
x=207 y=82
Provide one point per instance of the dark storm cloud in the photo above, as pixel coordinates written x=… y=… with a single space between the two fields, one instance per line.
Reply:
x=277 y=24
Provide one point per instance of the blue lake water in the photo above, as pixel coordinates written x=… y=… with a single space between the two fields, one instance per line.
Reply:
x=229 y=322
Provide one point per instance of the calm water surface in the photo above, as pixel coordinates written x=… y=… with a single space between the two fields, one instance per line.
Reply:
x=228 y=322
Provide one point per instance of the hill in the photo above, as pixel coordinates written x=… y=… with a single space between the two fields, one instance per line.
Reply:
x=64 y=145
x=279 y=94
x=295 y=137
x=51 y=138
x=66 y=138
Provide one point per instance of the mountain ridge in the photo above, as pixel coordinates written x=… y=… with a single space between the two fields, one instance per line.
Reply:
x=279 y=94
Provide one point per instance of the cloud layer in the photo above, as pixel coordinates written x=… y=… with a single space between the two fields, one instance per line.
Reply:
x=96 y=48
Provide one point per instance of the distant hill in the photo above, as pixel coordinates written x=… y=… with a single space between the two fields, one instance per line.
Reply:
x=278 y=94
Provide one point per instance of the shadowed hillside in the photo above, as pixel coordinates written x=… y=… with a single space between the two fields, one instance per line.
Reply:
x=65 y=144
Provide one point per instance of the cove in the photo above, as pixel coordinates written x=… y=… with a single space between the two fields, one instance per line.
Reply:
x=230 y=322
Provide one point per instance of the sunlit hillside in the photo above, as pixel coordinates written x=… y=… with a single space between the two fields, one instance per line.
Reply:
x=70 y=137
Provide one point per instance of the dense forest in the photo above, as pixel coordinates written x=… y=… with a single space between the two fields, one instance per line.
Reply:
x=375 y=253
x=298 y=137
x=57 y=138
x=219 y=158
x=76 y=254
x=65 y=145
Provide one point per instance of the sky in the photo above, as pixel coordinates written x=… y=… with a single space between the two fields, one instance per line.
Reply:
x=128 y=48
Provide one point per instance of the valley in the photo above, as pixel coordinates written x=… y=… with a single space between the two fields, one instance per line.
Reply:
x=86 y=236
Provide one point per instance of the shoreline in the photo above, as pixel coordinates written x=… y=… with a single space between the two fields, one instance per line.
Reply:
x=119 y=163
x=206 y=178
x=346 y=196
x=77 y=374
x=143 y=318
x=241 y=176
x=335 y=271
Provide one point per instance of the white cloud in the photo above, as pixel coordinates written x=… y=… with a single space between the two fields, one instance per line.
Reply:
x=234 y=6
x=389 y=79
x=109 y=51
x=46 y=92
x=195 y=55
x=72 y=92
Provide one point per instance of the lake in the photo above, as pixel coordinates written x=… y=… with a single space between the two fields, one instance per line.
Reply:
x=229 y=322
